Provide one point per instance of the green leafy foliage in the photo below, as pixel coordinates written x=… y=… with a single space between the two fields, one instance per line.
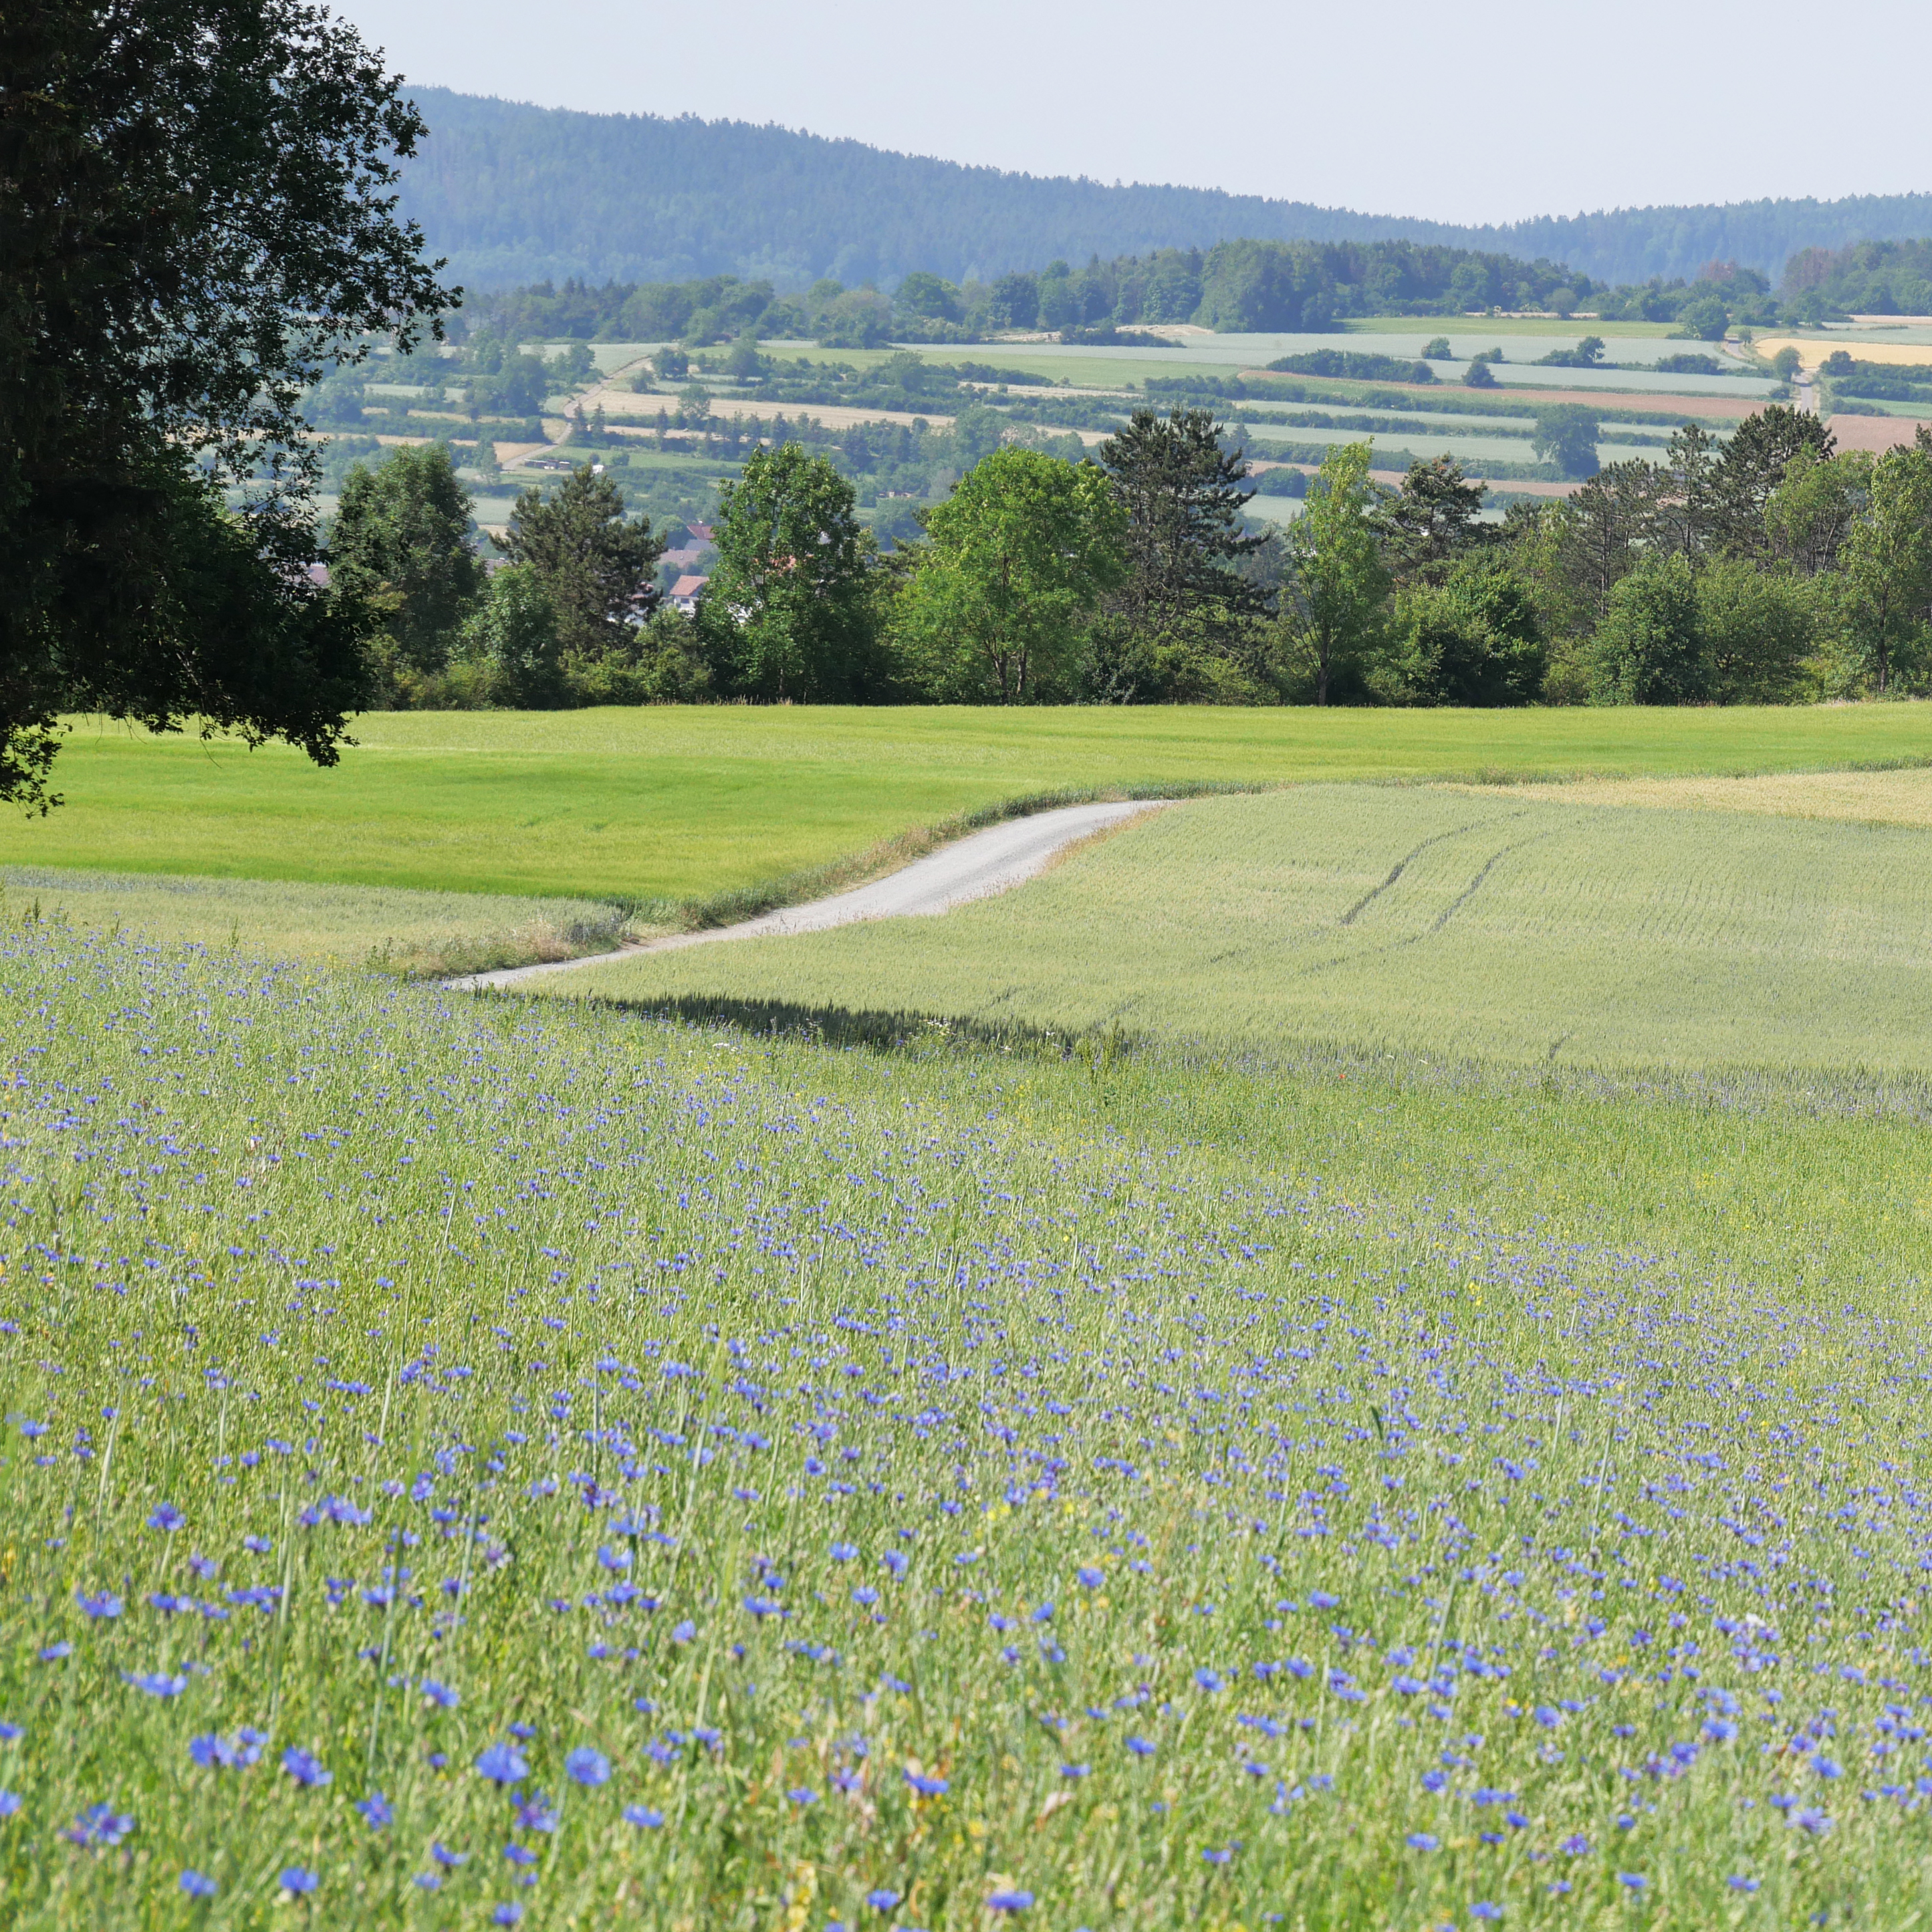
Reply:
x=1566 y=438
x=197 y=217
x=400 y=543
x=791 y=612
x=1355 y=367
x=998 y=601
x=1342 y=577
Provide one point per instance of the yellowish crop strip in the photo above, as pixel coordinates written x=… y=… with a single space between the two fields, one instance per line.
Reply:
x=1870 y=798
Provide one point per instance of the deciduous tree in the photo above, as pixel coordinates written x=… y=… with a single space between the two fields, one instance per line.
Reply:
x=999 y=597
x=401 y=540
x=1342 y=582
x=791 y=612
x=198 y=219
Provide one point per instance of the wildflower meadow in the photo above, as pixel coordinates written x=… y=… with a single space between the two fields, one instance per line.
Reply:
x=471 y=1464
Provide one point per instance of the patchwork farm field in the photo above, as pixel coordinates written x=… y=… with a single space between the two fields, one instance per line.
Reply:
x=1289 y=1449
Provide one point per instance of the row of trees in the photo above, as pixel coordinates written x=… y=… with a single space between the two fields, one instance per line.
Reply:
x=1235 y=285
x=1773 y=570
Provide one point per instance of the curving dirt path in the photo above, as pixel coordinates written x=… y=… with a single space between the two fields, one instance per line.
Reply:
x=1002 y=857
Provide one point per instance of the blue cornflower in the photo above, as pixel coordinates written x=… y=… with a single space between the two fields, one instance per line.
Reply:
x=298 y=1881
x=305 y=1768
x=198 y=1885
x=1218 y=1856
x=506 y=1914
x=926 y=1786
x=1636 y=1881
x=684 y=1632
x=100 y=1607
x=1207 y=1680
x=844 y=1552
x=1009 y=1901
x=503 y=1766
x=445 y=1857
x=1140 y=1746
x=9 y=1803
x=165 y=1517
x=1483 y=1908
x=537 y=1813
x=1422 y=1841
x=1738 y=1882
x=587 y=1767
x=520 y=1855
x=99 y=1825
x=376 y=1811
x=643 y=1817
x=156 y=1683
x=803 y=1794
x=440 y=1695
x=883 y=1900
x=1088 y=1578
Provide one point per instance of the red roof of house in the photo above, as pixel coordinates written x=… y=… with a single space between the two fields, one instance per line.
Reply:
x=688 y=586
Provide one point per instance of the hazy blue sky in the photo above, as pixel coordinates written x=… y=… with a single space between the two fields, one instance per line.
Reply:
x=1469 y=113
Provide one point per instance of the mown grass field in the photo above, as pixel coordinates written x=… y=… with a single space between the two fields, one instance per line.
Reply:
x=656 y=807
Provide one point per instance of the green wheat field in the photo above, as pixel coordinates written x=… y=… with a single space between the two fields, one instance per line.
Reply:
x=1351 y=1356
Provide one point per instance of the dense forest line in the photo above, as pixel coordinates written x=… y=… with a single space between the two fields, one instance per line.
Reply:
x=1772 y=569
x=513 y=194
x=1235 y=286
x=1868 y=278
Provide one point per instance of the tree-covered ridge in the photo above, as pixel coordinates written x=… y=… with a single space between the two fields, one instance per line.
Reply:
x=1892 y=277
x=1244 y=285
x=515 y=193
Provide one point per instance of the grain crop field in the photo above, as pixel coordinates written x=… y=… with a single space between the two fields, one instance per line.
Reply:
x=472 y=1464
x=1422 y=919
x=655 y=807
x=1288 y=1448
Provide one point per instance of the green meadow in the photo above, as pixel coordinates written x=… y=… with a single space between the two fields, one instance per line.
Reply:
x=660 y=808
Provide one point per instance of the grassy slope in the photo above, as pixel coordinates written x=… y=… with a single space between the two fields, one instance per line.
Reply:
x=419 y=933
x=1758 y=983
x=1459 y=924
x=673 y=804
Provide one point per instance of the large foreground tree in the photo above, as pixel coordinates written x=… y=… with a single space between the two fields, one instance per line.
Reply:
x=196 y=219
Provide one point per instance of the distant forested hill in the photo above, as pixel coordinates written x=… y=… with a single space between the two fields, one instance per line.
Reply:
x=516 y=194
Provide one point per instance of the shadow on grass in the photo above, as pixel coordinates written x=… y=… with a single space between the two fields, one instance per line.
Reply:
x=873 y=1030
x=1112 y=1050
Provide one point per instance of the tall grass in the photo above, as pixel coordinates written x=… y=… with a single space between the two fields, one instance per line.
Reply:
x=650 y=1472
x=1490 y=926
x=413 y=934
